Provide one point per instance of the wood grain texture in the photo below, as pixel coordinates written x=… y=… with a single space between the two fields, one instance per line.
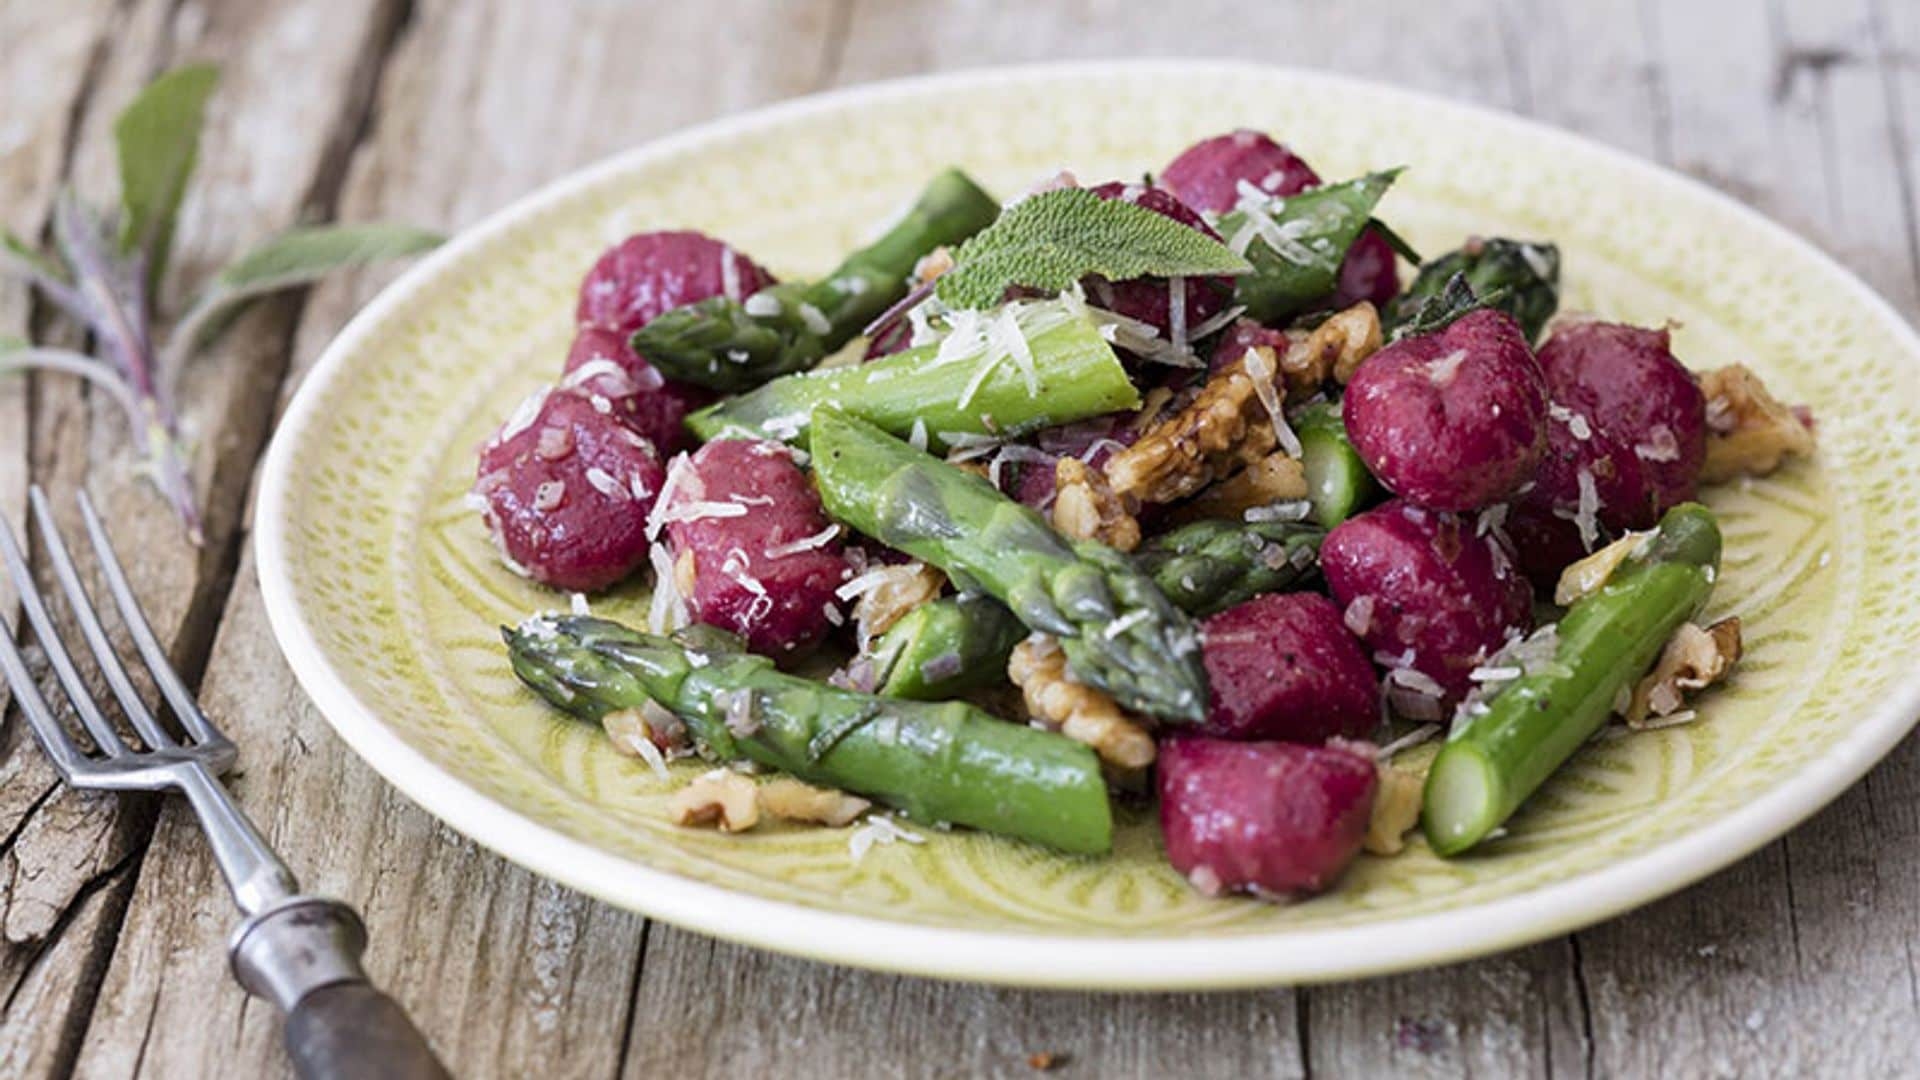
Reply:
x=75 y=853
x=1805 y=110
x=506 y=973
x=63 y=858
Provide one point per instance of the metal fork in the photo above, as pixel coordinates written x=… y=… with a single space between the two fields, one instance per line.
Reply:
x=301 y=952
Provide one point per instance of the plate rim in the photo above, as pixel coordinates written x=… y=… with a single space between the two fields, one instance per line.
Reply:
x=1092 y=961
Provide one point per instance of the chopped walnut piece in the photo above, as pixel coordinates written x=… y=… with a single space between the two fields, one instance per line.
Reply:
x=1396 y=808
x=721 y=797
x=1584 y=578
x=933 y=264
x=650 y=733
x=1692 y=660
x=1085 y=507
x=900 y=589
x=1335 y=348
x=1224 y=427
x=1749 y=432
x=788 y=798
x=1274 y=478
x=1082 y=713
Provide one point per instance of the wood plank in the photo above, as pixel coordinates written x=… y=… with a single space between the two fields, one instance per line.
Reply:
x=888 y=40
x=707 y=1008
x=469 y=88
x=51 y=936
x=69 y=867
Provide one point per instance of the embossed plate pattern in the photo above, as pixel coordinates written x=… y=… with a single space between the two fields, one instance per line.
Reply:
x=385 y=594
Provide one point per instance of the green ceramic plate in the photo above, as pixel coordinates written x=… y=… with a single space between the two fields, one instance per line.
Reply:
x=386 y=595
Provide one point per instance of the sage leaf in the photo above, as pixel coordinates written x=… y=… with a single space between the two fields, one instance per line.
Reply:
x=1443 y=305
x=1395 y=241
x=1296 y=244
x=1055 y=238
x=1524 y=275
x=158 y=141
x=298 y=256
x=15 y=250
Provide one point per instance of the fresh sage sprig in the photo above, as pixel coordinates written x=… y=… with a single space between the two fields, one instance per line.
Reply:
x=1051 y=240
x=106 y=269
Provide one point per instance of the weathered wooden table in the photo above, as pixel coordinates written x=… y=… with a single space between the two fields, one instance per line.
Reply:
x=1798 y=960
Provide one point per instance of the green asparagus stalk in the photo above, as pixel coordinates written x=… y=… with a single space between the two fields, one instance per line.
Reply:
x=1210 y=566
x=1117 y=628
x=1296 y=244
x=732 y=345
x=1075 y=375
x=1518 y=277
x=1338 y=483
x=936 y=761
x=943 y=649
x=1607 y=641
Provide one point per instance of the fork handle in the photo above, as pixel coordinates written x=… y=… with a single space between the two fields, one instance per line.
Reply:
x=303 y=953
x=351 y=1030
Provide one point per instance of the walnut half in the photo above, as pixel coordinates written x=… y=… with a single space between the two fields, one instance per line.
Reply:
x=1693 y=659
x=1749 y=432
x=1274 y=478
x=1224 y=427
x=1082 y=713
x=1335 y=348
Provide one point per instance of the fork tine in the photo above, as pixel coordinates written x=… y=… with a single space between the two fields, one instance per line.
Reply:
x=90 y=628
x=171 y=686
x=107 y=739
x=59 y=746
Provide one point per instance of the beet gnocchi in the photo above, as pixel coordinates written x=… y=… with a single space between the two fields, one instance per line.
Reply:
x=1192 y=502
x=565 y=488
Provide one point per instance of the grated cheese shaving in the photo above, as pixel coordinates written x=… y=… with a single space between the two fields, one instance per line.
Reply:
x=879 y=829
x=677 y=470
x=1264 y=376
x=805 y=543
x=604 y=483
x=524 y=415
x=667 y=610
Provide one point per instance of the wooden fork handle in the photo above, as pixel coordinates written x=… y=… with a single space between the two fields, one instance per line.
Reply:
x=303 y=954
x=351 y=1030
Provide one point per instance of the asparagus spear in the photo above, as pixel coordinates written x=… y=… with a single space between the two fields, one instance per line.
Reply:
x=1210 y=566
x=1516 y=276
x=1118 y=630
x=943 y=649
x=937 y=761
x=1606 y=642
x=1075 y=375
x=732 y=345
x=1296 y=244
x=1338 y=483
